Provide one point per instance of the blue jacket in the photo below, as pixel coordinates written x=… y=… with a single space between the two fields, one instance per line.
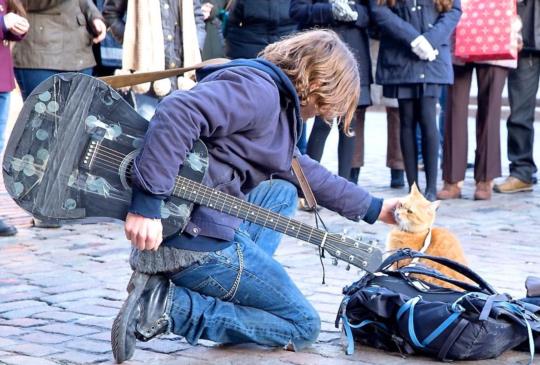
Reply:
x=318 y=13
x=399 y=26
x=249 y=141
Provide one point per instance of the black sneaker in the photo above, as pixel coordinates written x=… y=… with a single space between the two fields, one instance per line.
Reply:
x=7 y=230
x=396 y=179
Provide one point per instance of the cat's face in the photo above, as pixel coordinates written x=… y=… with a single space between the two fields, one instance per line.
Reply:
x=414 y=213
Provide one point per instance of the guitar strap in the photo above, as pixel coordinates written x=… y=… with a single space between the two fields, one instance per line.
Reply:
x=120 y=81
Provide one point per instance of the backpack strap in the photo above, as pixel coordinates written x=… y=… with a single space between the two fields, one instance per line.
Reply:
x=456 y=266
x=451 y=339
x=404 y=271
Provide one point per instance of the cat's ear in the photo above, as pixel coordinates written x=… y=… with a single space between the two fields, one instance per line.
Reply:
x=414 y=189
x=435 y=205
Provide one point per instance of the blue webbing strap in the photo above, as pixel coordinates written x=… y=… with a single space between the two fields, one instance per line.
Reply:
x=348 y=333
x=409 y=306
x=519 y=311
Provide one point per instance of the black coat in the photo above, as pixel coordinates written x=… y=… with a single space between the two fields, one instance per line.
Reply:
x=318 y=13
x=254 y=24
x=529 y=11
x=399 y=26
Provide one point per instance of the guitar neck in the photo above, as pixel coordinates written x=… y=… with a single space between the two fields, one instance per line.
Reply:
x=222 y=202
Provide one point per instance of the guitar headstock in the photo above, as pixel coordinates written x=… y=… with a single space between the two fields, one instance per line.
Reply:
x=359 y=251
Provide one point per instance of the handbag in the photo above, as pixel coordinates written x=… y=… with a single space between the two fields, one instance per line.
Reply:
x=394 y=310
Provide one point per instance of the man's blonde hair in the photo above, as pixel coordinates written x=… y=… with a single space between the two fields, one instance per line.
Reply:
x=321 y=67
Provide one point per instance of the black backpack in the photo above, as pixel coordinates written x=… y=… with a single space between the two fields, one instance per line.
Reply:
x=394 y=311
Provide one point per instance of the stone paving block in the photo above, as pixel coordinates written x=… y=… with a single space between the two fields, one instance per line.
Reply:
x=102 y=322
x=68 y=329
x=26 y=360
x=164 y=346
x=45 y=338
x=97 y=347
x=78 y=357
x=58 y=315
x=101 y=336
x=6 y=343
x=5 y=307
x=24 y=313
x=11 y=331
x=20 y=296
x=22 y=322
x=32 y=349
x=95 y=310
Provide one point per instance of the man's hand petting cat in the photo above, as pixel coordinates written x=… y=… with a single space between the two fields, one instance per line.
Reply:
x=387 y=211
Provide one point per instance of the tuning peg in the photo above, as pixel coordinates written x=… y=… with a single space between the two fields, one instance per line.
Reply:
x=334 y=261
x=348 y=267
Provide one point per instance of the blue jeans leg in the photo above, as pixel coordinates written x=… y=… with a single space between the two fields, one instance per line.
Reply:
x=29 y=78
x=241 y=294
x=4 y=113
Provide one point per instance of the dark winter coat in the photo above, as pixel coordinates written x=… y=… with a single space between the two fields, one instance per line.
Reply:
x=318 y=13
x=254 y=24
x=529 y=11
x=399 y=26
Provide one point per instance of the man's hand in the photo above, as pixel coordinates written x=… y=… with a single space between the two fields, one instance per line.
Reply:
x=144 y=233
x=100 y=29
x=16 y=24
x=387 y=211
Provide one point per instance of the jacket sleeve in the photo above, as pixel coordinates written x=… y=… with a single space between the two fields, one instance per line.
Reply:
x=113 y=12
x=391 y=24
x=37 y=5
x=338 y=194
x=199 y=21
x=363 y=16
x=308 y=14
x=444 y=26
x=90 y=10
x=229 y=102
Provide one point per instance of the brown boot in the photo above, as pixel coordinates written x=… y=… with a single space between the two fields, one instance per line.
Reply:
x=449 y=191
x=483 y=190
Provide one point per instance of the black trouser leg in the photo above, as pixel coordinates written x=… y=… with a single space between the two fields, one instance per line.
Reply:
x=317 y=138
x=427 y=117
x=408 y=139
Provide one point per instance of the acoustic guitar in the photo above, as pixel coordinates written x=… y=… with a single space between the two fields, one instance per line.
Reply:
x=70 y=154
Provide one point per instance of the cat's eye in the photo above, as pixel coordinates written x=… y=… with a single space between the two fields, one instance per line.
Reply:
x=409 y=211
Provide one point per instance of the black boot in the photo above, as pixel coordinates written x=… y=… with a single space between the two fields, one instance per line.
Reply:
x=355 y=174
x=7 y=230
x=143 y=315
x=396 y=179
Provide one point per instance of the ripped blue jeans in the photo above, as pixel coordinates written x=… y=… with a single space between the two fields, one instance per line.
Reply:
x=241 y=294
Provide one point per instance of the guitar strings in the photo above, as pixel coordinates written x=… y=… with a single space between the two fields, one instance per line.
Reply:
x=209 y=192
x=116 y=157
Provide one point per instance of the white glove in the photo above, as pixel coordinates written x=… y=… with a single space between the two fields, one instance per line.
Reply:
x=423 y=49
x=342 y=11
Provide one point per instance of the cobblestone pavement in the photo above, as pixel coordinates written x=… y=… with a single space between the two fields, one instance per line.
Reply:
x=61 y=288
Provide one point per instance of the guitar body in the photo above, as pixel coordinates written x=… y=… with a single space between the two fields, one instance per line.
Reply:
x=51 y=168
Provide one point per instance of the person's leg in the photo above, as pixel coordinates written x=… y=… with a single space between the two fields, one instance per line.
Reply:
x=346 y=149
x=522 y=88
x=394 y=157
x=317 y=138
x=28 y=79
x=358 y=154
x=408 y=139
x=455 y=143
x=278 y=196
x=487 y=164
x=5 y=229
x=427 y=117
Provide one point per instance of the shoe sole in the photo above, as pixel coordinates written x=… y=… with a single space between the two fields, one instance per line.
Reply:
x=120 y=325
x=520 y=190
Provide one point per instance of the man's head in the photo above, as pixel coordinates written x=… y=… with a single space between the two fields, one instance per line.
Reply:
x=323 y=71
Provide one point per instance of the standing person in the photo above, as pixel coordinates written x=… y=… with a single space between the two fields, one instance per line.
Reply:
x=414 y=60
x=13 y=27
x=60 y=40
x=213 y=13
x=226 y=287
x=154 y=39
x=491 y=77
x=522 y=88
x=350 y=20
x=394 y=158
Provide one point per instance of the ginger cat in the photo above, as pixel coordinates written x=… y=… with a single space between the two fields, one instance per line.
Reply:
x=415 y=216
